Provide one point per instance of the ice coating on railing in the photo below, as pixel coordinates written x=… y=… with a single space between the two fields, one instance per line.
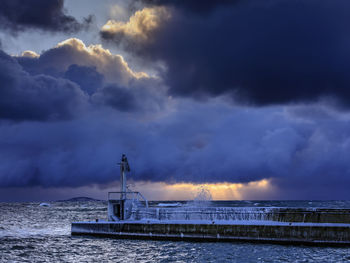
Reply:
x=204 y=213
x=253 y=214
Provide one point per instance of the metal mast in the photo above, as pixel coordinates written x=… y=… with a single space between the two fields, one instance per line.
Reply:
x=124 y=167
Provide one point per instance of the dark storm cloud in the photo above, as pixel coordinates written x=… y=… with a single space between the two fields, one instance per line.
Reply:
x=259 y=52
x=40 y=97
x=50 y=15
x=192 y=6
x=300 y=155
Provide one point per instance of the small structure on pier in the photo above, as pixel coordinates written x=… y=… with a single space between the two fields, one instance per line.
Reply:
x=121 y=204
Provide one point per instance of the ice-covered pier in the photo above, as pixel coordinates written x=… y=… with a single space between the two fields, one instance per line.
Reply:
x=129 y=216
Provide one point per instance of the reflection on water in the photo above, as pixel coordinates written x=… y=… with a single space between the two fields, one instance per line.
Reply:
x=33 y=233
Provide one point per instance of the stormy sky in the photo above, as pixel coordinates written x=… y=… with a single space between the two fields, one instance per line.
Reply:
x=194 y=92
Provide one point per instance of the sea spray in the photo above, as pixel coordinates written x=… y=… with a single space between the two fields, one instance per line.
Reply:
x=202 y=198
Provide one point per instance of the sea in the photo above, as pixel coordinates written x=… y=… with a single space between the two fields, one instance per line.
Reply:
x=34 y=232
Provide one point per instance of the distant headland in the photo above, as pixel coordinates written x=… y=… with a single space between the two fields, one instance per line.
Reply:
x=79 y=199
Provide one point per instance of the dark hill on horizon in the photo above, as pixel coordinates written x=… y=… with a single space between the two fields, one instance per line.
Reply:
x=80 y=199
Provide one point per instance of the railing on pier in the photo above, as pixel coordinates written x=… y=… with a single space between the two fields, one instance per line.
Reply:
x=128 y=195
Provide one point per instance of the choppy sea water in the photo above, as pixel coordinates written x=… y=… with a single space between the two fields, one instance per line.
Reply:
x=33 y=233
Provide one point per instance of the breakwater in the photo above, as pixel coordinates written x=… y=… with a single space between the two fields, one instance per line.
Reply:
x=283 y=225
x=294 y=233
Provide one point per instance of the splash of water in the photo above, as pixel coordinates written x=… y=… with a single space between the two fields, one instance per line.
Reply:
x=203 y=197
x=203 y=194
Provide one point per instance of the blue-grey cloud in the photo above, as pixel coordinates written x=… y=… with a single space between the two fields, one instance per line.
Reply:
x=49 y=15
x=41 y=97
x=104 y=79
x=117 y=97
x=88 y=78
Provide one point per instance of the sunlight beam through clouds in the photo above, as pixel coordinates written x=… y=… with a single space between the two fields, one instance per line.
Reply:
x=254 y=190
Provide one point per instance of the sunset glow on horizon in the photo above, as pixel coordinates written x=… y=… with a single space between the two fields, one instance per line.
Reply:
x=219 y=191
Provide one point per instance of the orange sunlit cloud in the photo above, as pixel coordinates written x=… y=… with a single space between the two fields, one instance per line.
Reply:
x=140 y=24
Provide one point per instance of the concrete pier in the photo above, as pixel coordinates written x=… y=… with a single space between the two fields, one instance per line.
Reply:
x=274 y=225
x=272 y=232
